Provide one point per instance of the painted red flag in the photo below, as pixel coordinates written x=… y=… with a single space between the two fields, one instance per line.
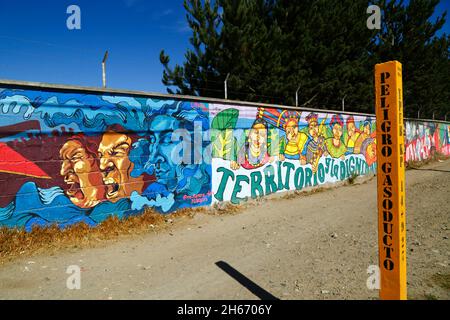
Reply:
x=13 y=162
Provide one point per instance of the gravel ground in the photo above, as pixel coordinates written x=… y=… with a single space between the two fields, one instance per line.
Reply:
x=317 y=246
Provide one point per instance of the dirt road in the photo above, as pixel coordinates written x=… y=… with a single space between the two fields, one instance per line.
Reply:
x=317 y=246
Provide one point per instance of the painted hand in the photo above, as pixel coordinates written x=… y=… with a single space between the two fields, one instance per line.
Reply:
x=234 y=165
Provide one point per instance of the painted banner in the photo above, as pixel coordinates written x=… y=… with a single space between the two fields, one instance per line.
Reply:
x=259 y=151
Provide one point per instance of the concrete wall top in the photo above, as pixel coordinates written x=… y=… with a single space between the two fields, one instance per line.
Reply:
x=70 y=88
x=64 y=88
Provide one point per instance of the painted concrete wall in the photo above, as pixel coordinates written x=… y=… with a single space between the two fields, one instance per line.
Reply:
x=69 y=157
x=267 y=150
x=423 y=139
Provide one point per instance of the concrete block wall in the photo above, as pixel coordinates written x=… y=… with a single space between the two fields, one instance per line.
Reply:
x=70 y=155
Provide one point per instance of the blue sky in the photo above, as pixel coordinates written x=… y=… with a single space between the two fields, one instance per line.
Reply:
x=35 y=44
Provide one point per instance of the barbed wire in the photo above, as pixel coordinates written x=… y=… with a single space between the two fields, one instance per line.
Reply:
x=232 y=74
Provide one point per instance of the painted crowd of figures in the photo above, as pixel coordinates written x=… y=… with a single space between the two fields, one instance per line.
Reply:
x=281 y=133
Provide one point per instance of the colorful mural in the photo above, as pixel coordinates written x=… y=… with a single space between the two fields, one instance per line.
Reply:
x=259 y=151
x=424 y=139
x=70 y=157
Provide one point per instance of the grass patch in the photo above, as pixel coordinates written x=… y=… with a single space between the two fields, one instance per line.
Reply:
x=436 y=156
x=289 y=195
x=221 y=208
x=352 y=178
x=429 y=296
x=442 y=280
x=16 y=242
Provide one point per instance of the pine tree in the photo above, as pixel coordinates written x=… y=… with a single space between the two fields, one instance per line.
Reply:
x=200 y=73
x=409 y=36
x=325 y=47
x=272 y=47
x=250 y=51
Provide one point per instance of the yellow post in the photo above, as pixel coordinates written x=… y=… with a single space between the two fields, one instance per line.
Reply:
x=391 y=180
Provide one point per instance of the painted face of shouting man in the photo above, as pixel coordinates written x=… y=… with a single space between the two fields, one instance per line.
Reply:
x=81 y=174
x=116 y=166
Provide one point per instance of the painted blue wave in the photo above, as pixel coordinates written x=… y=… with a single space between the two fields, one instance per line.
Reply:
x=35 y=206
x=91 y=113
x=48 y=195
x=6 y=212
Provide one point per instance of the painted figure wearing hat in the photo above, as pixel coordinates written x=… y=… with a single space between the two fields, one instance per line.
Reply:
x=364 y=135
x=254 y=152
x=315 y=144
x=365 y=144
x=292 y=146
x=351 y=135
x=335 y=145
